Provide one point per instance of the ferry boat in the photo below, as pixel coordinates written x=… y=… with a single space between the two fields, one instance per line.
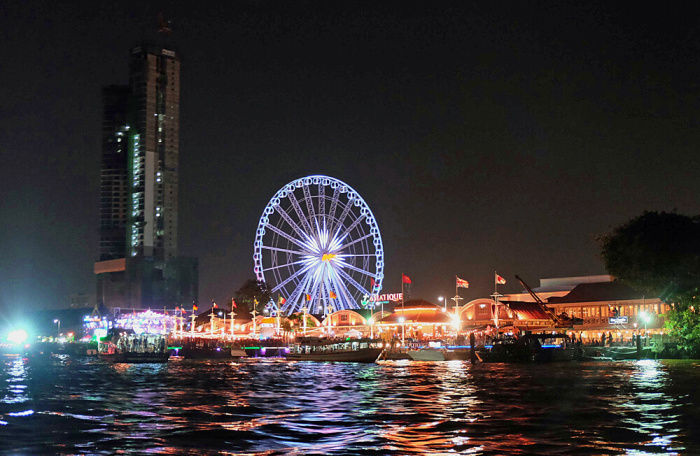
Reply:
x=341 y=350
x=537 y=348
x=124 y=346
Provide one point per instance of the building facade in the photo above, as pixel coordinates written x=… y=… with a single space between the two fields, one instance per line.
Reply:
x=139 y=265
x=594 y=305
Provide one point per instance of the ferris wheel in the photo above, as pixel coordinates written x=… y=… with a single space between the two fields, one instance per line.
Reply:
x=318 y=246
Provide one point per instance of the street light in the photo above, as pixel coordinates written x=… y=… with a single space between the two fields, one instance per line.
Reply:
x=441 y=299
x=646 y=318
x=59 y=326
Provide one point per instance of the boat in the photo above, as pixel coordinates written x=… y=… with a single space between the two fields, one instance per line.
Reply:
x=237 y=352
x=621 y=352
x=440 y=350
x=124 y=346
x=527 y=348
x=427 y=354
x=340 y=350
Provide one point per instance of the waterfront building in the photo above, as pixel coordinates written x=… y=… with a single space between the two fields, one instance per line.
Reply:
x=595 y=304
x=419 y=319
x=139 y=266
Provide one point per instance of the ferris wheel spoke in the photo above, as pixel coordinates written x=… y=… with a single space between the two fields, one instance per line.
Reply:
x=352 y=226
x=299 y=230
x=309 y=202
x=300 y=215
x=354 y=282
x=343 y=290
x=343 y=214
x=277 y=249
x=357 y=240
x=281 y=266
x=334 y=204
x=294 y=297
x=321 y=200
x=297 y=293
x=354 y=268
x=291 y=277
x=285 y=235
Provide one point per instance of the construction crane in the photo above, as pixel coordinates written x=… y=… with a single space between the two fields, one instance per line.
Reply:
x=556 y=320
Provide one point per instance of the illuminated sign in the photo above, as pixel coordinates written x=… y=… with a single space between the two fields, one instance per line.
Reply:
x=617 y=320
x=387 y=297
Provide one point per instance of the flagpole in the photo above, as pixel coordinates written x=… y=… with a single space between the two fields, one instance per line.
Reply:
x=403 y=314
x=495 y=297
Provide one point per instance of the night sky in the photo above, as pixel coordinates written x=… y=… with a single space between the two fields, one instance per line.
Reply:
x=485 y=136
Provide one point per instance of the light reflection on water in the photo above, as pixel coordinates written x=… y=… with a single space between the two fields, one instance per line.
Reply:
x=270 y=406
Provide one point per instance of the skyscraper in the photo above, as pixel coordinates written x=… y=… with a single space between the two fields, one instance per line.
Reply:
x=138 y=263
x=155 y=85
x=113 y=195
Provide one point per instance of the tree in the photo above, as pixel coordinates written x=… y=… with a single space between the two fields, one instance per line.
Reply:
x=253 y=291
x=658 y=253
x=298 y=320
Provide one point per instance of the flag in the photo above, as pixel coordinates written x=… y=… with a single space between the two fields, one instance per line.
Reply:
x=333 y=295
x=215 y=306
x=282 y=300
x=194 y=308
x=308 y=297
x=462 y=283
x=500 y=280
x=233 y=304
x=405 y=278
x=371 y=280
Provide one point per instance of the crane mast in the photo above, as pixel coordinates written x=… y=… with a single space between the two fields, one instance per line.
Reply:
x=556 y=320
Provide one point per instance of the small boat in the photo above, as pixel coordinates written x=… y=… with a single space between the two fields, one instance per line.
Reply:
x=340 y=350
x=621 y=352
x=124 y=346
x=237 y=352
x=529 y=348
x=427 y=354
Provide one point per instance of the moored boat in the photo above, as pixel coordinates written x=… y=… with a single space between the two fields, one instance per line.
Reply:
x=237 y=352
x=537 y=348
x=124 y=346
x=340 y=350
x=427 y=354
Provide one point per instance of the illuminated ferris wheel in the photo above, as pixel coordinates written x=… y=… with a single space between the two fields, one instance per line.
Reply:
x=318 y=246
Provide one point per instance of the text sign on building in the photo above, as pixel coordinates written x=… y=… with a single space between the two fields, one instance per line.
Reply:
x=387 y=297
x=617 y=320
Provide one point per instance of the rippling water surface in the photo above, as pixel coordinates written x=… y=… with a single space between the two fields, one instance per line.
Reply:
x=270 y=406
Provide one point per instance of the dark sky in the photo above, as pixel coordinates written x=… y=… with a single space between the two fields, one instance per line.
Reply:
x=486 y=136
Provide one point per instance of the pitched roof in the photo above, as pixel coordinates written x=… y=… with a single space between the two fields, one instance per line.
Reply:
x=527 y=310
x=597 y=292
x=418 y=311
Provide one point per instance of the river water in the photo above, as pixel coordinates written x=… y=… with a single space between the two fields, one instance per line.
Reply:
x=72 y=406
